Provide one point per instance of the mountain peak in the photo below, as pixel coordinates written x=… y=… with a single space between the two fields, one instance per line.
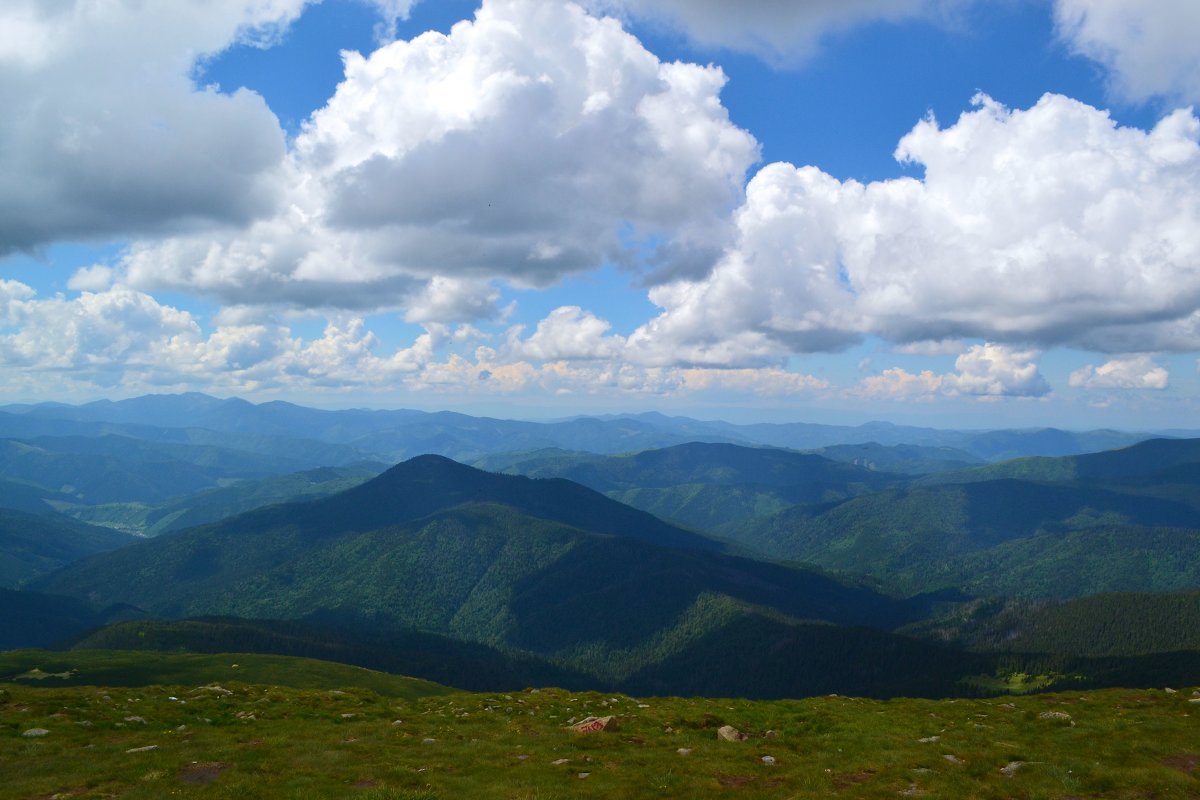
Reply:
x=427 y=484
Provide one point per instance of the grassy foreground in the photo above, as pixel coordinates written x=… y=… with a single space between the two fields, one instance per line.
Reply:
x=245 y=740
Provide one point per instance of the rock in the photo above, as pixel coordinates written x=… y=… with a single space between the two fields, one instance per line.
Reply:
x=1011 y=768
x=953 y=759
x=1169 y=690
x=771 y=735
x=1058 y=715
x=683 y=751
x=728 y=733
x=32 y=732
x=929 y=739
x=397 y=722
x=559 y=762
x=212 y=687
x=583 y=775
x=769 y=760
x=595 y=724
x=348 y=716
x=428 y=741
x=136 y=719
x=145 y=749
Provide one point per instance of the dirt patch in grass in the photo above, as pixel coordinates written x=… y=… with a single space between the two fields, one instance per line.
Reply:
x=1184 y=762
x=844 y=780
x=199 y=774
x=735 y=781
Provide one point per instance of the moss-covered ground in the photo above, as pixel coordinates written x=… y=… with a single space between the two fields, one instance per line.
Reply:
x=246 y=740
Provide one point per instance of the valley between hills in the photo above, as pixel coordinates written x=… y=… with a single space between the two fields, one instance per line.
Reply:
x=419 y=604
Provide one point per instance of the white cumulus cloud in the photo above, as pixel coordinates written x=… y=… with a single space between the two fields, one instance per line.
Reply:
x=531 y=142
x=1045 y=226
x=994 y=370
x=1148 y=46
x=1134 y=372
x=104 y=133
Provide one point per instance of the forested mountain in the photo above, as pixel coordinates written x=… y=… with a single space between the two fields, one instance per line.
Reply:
x=1120 y=520
x=1120 y=624
x=542 y=566
x=702 y=485
x=35 y=544
x=216 y=504
x=994 y=537
x=556 y=569
x=1149 y=462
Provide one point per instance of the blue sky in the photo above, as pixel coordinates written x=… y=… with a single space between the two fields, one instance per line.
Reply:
x=977 y=214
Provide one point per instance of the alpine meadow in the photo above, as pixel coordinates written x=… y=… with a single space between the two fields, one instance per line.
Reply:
x=535 y=399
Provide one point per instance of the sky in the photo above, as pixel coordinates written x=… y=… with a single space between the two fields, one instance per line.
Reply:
x=959 y=213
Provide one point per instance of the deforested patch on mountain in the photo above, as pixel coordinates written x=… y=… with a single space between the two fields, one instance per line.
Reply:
x=904 y=459
x=30 y=498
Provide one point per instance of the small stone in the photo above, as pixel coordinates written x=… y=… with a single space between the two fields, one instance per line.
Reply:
x=559 y=762
x=428 y=741
x=643 y=705
x=929 y=739
x=728 y=733
x=769 y=760
x=771 y=735
x=32 y=732
x=348 y=716
x=397 y=722
x=683 y=751
x=522 y=757
x=1169 y=690
x=1011 y=768
x=136 y=719
x=145 y=749
x=953 y=759
x=1194 y=700
x=1059 y=715
x=583 y=775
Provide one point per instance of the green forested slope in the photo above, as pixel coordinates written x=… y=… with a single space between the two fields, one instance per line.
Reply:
x=1000 y=536
x=35 y=544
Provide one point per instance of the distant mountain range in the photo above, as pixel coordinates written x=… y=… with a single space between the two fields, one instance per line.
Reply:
x=646 y=553
x=396 y=435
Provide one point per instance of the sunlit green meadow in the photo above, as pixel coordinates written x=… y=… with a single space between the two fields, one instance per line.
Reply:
x=235 y=739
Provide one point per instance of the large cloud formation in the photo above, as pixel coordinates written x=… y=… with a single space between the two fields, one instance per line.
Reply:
x=529 y=143
x=104 y=133
x=1047 y=226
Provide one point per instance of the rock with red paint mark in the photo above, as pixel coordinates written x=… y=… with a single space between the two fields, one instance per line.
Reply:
x=596 y=724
